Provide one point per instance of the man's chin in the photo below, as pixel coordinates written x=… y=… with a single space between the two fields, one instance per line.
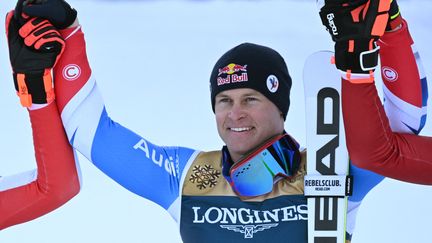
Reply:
x=241 y=151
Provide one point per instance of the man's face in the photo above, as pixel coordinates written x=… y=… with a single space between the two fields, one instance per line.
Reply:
x=246 y=118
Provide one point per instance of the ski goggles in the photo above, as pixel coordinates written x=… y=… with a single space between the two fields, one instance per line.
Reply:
x=255 y=174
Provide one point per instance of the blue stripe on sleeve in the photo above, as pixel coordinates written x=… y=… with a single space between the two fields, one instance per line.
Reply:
x=150 y=171
x=364 y=181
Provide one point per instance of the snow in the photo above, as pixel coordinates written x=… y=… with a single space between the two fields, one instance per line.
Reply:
x=152 y=60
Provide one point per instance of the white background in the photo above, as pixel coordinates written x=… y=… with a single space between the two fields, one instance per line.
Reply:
x=152 y=60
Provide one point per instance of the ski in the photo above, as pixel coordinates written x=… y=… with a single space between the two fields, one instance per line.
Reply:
x=326 y=183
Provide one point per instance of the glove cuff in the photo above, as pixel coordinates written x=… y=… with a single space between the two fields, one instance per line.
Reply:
x=34 y=88
x=356 y=56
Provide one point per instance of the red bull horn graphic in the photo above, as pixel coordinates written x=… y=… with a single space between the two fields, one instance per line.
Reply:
x=231 y=71
x=232 y=68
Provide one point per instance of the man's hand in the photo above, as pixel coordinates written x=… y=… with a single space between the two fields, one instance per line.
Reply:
x=355 y=25
x=58 y=12
x=34 y=48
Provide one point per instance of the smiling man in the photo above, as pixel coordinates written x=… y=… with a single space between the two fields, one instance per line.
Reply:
x=252 y=110
x=245 y=118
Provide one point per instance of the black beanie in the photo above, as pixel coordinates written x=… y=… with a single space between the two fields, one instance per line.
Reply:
x=255 y=67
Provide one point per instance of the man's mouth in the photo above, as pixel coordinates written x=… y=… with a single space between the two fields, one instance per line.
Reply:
x=240 y=129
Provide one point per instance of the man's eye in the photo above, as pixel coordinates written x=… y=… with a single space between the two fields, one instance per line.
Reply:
x=224 y=100
x=251 y=99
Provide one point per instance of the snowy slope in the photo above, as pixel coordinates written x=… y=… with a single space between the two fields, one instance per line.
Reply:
x=152 y=60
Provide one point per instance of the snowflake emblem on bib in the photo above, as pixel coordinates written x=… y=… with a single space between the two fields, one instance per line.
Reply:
x=204 y=176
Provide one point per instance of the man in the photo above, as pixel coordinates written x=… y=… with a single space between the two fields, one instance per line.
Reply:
x=224 y=193
x=371 y=143
x=404 y=100
x=29 y=195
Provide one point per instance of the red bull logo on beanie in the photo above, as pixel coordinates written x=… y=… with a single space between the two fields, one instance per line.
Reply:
x=232 y=68
x=234 y=73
